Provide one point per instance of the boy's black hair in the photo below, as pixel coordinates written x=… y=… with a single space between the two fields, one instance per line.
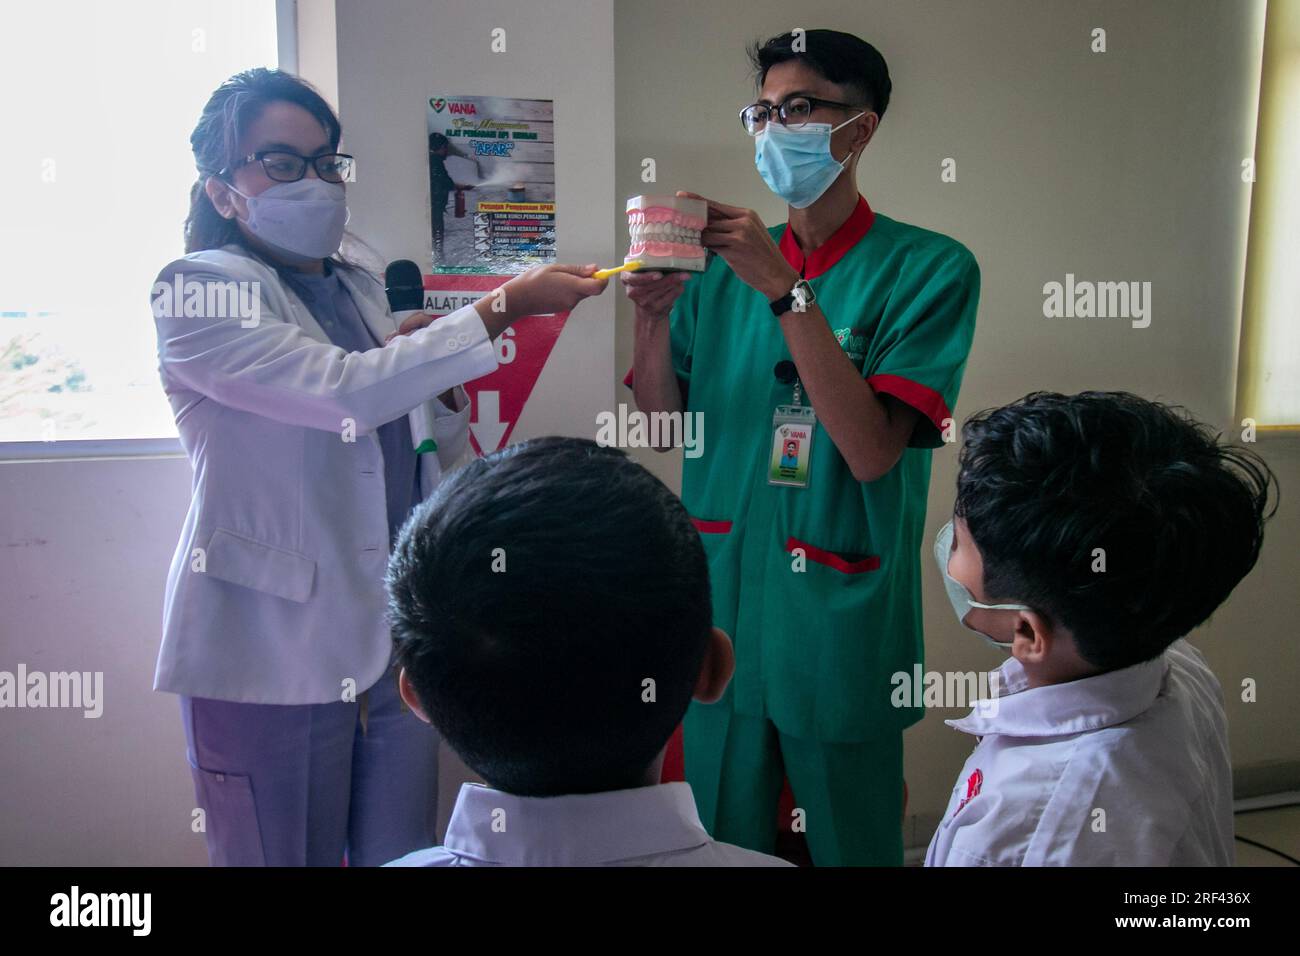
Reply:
x=1046 y=480
x=536 y=674
x=840 y=57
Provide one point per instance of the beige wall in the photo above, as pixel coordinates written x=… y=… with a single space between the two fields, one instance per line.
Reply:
x=1116 y=166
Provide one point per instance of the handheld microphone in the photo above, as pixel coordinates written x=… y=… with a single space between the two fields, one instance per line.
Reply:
x=404 y=285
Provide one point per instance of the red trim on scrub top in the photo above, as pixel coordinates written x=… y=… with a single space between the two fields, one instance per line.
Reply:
x=833 y=249
x=627 y=379
x=831 y=559
x=711 y=527
x=674 y=758
x=925 y=400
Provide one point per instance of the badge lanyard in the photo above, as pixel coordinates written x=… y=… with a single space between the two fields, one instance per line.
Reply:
x=793 y=426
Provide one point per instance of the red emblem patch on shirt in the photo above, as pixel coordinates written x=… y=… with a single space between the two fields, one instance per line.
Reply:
x=973 y=784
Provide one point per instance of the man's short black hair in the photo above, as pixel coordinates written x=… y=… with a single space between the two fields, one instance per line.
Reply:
x=1045 y=481
x=840 y=57
x=533 y=596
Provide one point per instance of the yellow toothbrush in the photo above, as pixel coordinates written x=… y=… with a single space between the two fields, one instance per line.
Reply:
x=625 y=267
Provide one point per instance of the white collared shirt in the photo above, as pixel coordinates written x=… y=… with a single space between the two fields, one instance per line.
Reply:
x=1127 y=768
x=645 y=826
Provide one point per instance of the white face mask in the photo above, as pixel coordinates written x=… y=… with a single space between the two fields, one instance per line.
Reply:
x=958 y=596
x=305 y=218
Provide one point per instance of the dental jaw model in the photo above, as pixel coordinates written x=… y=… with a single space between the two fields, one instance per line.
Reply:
x=665 y=233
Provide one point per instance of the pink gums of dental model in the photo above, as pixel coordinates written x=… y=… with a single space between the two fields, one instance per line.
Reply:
x=665 y=233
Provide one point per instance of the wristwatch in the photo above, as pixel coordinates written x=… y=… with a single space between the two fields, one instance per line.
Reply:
x=798 y=299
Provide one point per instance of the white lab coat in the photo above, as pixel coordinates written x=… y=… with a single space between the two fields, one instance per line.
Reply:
x=1142 y=752
x=275 y=593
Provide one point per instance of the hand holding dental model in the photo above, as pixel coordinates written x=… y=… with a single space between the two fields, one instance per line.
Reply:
x=739 y=236
x=672 y=234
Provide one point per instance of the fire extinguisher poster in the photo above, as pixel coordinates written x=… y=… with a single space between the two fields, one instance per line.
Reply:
x=491 y=183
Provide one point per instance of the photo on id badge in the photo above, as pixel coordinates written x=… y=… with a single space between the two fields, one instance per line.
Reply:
x=792 y=432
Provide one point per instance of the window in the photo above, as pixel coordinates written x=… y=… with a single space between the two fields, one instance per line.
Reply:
x=1269 y=376
x=95 y=174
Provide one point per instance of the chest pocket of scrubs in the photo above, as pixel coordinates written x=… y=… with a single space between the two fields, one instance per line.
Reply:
x=241 y=560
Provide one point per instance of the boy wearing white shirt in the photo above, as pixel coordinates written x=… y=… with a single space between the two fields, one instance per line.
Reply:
x=1090 y=533
x=552 y=609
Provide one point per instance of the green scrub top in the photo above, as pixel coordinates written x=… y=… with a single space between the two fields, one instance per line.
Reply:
x=816 y=649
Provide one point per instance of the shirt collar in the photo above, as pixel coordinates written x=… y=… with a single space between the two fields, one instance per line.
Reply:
x=1054 y=710
x=833 y=249
x=586 y=829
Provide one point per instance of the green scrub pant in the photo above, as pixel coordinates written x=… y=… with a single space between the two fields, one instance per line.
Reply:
x=851 y=793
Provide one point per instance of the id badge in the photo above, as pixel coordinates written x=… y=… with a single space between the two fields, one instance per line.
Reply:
x=792 y=436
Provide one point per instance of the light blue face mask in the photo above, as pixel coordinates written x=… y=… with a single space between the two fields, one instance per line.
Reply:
x=958 y=596
x=797 y=163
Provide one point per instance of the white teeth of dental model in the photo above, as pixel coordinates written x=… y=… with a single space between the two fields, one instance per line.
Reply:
x=665 y=232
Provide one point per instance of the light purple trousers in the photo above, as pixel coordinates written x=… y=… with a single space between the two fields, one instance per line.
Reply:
x=303 y=785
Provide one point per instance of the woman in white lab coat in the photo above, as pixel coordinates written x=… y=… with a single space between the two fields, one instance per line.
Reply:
x=310 y=439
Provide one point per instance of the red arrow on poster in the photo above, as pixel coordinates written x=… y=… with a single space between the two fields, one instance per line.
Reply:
x=499 y=397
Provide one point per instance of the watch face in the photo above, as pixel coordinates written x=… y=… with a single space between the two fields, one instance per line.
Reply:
x=803 y=295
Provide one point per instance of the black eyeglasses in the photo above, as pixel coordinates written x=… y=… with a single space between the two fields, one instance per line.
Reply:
x=792 y=114
x=285 y=167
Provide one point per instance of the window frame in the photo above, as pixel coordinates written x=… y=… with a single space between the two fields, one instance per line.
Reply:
x=1281 y=40
x=286 y=33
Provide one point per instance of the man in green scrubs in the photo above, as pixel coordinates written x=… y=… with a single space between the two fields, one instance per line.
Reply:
x=812 y=520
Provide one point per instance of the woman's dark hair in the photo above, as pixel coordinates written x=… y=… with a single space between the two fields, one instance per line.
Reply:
x=230 y=110
x=1178 y=516
x=840 y=57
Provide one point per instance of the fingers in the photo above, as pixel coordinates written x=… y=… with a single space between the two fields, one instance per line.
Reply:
x=640 y=280
x=581 y=285
x=409 y=325
x=639 y=283
x=717 y=210
x=571 y=269
x=655 y=292
x=722 y=210
x=722 y=230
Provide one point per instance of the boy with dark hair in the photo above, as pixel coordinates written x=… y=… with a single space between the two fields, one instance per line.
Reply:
x=552 y=609
x=1091 y=533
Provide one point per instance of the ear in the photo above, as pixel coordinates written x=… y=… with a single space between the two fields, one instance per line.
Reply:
x=222 y=199
x=719 y=664
x=1033 y=636
x=407 y=690
x=864 y=129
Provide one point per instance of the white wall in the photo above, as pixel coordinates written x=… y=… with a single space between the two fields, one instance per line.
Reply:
x=1122 y=165
x=84 y=551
